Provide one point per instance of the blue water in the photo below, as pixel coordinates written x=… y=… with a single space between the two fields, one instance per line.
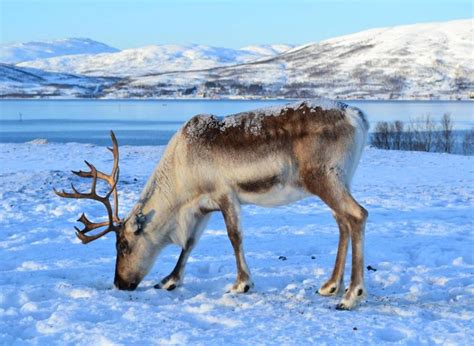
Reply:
x=152 y=122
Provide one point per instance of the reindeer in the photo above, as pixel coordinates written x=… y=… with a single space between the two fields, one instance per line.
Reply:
x=266 y=157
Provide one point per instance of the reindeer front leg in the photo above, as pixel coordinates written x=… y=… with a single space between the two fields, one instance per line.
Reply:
x=175 y=278
x=230 y=208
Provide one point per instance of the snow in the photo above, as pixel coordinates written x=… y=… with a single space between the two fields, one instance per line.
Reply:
x=18 y=52
x=322 y=103
x=268 y=49
x=155 y=59
x=419 y=61
x=23 y=81
x=419 y=238
x=254 y=125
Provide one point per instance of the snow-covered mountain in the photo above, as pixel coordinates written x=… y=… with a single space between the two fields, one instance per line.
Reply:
x=29 y=82
x=434 y=60
x=267 y=49
x=155 y=59
x=420 y=61
x=18 y=52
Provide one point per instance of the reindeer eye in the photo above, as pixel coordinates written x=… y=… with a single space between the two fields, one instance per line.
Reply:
x=122 y=247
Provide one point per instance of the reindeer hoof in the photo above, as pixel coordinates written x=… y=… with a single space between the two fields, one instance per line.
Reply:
x=342 y=306
x=168 y=288
x=330 y=289
x=241 y=287
x=351 y=298
x=169 y=283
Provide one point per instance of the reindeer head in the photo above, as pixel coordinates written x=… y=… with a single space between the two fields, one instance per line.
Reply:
x=135 y=253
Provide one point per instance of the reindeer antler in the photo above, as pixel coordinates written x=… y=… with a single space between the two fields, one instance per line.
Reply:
x=112 y=180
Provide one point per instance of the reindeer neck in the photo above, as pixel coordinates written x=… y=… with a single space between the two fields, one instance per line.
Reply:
x=165 y=208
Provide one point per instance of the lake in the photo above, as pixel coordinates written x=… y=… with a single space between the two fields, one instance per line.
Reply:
x=153 y=122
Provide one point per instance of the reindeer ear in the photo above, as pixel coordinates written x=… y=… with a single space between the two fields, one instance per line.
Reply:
x=140 y=218
x=139 y=221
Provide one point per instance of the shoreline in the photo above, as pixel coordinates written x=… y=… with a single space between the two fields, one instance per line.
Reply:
x=250 y=99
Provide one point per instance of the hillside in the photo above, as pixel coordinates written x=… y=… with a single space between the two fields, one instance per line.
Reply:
x=420 y=61
x=155 y=59
x=18 y=52
x=417 y=61
x=24 y=82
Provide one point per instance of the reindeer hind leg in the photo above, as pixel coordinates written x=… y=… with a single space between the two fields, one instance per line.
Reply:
x=335 y=284
x=351 y=218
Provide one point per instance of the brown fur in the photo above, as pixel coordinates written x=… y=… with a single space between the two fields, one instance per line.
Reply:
x=278 y=131
x=260 y=185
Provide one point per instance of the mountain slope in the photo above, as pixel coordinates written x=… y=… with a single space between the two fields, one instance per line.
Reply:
x=28 y=82
x=155 y=59
x=267 y=49
x=414 y=61
x=18 y=52
x=421 y=61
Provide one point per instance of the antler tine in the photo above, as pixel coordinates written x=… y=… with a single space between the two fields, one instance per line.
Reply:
x=112 y=180
x=113 y=186
x=88 y=225
x=100 y=175
x=94 y=179
x=84 y=219
x=75 y=190
x=65 y=194
x=114 y=189
x=81 y=174
x=88 y=238
x=59 y=193
x=115 y=174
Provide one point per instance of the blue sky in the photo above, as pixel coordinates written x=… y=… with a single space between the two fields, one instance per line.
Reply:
x=228 y=23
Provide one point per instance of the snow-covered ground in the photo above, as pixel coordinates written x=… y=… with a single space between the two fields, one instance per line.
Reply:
x=419 y=238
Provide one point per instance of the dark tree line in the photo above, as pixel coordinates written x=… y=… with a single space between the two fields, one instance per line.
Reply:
x=421 y=134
